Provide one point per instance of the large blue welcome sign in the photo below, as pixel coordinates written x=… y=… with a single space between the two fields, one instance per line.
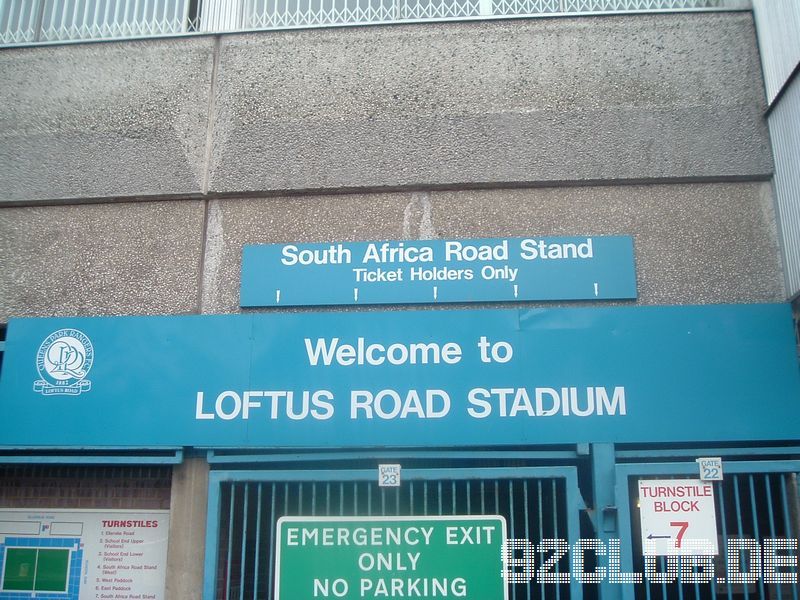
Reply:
x=408 y=378
x=439 y=271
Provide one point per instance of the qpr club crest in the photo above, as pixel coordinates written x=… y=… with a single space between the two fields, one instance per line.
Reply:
x=63 y=362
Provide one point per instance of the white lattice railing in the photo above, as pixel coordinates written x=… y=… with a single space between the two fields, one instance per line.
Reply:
x=42 y=21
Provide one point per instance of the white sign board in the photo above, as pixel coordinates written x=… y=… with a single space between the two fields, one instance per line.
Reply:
x=710 y=468
x=389 y=475
x=83 y=554
x=677 y=517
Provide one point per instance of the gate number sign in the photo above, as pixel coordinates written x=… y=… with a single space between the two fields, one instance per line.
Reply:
x=677 y=517
x=389 y=475
x=710 y=468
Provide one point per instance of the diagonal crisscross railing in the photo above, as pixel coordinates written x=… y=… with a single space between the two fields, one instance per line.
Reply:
x=24 y=22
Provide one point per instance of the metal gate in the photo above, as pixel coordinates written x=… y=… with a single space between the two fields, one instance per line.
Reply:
x=244 y=506
x=756 y=500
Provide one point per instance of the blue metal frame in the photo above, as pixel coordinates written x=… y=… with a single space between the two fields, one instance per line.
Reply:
x=624 y=471
x=696 y=452
x=569 y=474
x=175 y=458
x=214 y=458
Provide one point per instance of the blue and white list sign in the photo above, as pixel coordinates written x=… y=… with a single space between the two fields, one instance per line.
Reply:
x=437 y=271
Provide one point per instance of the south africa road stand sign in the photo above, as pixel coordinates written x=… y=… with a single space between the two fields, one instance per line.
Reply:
x=381 y=557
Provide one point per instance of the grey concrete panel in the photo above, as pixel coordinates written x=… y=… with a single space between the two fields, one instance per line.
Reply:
x=100 y=259
x=187 y=530
x=694 y=243
x=538 y=100
x=104 y=120
x=233 y=224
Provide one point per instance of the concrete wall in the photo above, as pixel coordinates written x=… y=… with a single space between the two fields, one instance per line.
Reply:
x=711 y=243
x=586 y=99
x=99 y=259
x=540 y=100
x=694 y=243
x=100 y=120
x=187 y=533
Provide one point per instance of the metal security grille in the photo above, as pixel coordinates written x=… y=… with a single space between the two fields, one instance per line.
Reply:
x=750 y=506
x=24 y=22
x=85 y=486
x=52 y=20
x=534 y=509
x=624 y=5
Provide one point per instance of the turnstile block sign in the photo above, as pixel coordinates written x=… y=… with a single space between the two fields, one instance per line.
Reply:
x=677 y=517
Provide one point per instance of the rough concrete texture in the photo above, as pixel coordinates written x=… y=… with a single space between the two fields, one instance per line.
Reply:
x=235 y=223
x=104 y=120
x=187 y=531
x=100 y=259
x=694 y=244
x=537 y=100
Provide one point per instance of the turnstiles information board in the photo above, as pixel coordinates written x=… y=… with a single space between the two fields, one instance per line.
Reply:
x=83 y=554
x=381 y=557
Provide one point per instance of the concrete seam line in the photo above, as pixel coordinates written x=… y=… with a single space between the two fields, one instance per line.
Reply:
x=210 y=119
x=213 y=250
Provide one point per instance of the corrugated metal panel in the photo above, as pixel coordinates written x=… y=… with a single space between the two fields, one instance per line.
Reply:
x=778 y=25
x=784 y=127
x=221 y=15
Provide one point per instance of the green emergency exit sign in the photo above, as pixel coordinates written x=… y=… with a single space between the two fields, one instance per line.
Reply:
x=390 y=557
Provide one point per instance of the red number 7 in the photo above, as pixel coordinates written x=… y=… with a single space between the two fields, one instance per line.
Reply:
x=683 y=525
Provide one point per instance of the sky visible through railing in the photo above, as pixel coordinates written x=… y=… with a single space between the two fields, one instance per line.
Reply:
x=24 y=22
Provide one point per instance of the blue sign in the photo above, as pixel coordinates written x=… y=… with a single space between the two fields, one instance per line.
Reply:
x=434 y=271
x=403 y=378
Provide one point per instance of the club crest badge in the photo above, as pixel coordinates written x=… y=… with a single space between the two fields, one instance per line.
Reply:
x=63 y=361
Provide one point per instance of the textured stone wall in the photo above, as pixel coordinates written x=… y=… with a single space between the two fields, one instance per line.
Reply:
x=694 y=243
x=528 y=101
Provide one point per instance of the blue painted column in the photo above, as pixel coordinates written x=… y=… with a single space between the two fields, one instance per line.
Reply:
x=605 y=509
